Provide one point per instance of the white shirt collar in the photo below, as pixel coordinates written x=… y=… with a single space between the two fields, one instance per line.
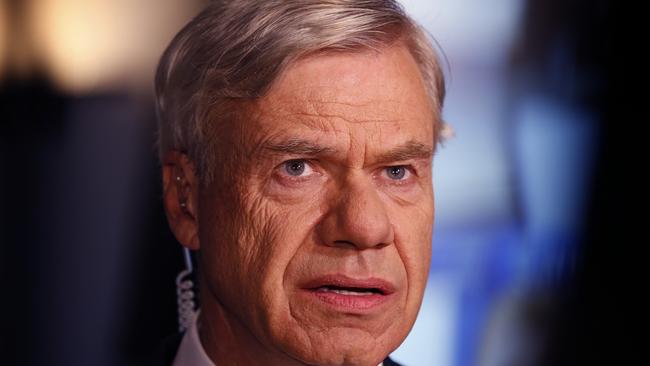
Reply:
x=191 y=352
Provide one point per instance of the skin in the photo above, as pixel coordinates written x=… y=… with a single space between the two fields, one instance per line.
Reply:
x=348 y=120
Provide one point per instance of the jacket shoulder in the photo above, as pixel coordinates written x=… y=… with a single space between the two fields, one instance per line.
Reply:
x=389 y=362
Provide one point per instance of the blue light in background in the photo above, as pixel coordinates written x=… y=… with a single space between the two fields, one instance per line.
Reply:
x=555 y=143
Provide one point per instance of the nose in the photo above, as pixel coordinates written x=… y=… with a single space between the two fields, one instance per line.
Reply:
x=356 y=218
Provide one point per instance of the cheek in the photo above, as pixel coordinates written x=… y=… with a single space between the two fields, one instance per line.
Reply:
x=413 y=233
x=269 y=240
x=233 y=235
x=275 y=235
x=254 y=244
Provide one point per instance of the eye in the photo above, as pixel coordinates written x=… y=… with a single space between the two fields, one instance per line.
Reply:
x=397 y=172
x=297 y=168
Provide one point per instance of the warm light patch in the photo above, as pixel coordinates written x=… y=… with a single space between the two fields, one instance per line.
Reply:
x=105 y=44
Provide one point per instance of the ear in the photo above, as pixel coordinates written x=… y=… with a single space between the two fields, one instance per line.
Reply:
x=180 y=191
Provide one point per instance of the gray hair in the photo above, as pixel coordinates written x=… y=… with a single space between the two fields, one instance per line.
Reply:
x=234 y=50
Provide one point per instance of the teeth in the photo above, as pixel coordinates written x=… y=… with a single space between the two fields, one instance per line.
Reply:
x=346 y=292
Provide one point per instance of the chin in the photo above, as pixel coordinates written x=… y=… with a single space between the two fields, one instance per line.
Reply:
x=344 y=347
x=363 y=358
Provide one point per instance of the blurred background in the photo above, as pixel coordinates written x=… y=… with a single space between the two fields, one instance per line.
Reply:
x=525 y=264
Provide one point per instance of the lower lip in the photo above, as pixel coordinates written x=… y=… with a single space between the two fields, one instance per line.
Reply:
x=349 y=302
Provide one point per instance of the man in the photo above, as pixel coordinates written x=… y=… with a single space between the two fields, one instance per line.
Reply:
x=296 y=139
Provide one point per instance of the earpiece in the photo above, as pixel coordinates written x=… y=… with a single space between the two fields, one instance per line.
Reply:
x=185 y=294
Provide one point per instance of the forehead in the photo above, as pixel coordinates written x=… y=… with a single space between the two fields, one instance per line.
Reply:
x=379 y=94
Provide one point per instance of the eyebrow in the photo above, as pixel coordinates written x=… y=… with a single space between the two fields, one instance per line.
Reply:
x=298 y=147
x=410 y=150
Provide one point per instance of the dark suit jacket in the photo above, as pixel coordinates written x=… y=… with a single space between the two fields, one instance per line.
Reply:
x=167 y=352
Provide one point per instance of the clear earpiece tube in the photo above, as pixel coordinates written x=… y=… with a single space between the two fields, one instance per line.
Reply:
x=185 y=294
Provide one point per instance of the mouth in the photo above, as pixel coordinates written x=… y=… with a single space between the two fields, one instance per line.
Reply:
x=351 y=291
x=348 y=294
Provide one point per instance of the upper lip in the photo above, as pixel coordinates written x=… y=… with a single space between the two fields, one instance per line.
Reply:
x=339 y=280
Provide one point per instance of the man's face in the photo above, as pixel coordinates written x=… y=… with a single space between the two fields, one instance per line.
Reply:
x=315 y=237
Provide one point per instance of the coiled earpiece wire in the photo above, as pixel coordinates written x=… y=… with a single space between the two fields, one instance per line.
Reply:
x=185 y=294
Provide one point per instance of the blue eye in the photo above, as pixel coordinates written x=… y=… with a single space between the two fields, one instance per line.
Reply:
x=295 y=167
x=396 y=172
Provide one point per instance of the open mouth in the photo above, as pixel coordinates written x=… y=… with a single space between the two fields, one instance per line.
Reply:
x=352 y=291
x=343 y=285
x=349 y=295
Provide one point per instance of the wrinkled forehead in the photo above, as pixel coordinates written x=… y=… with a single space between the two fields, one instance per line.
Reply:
x=389 y=75
x=374 y=92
